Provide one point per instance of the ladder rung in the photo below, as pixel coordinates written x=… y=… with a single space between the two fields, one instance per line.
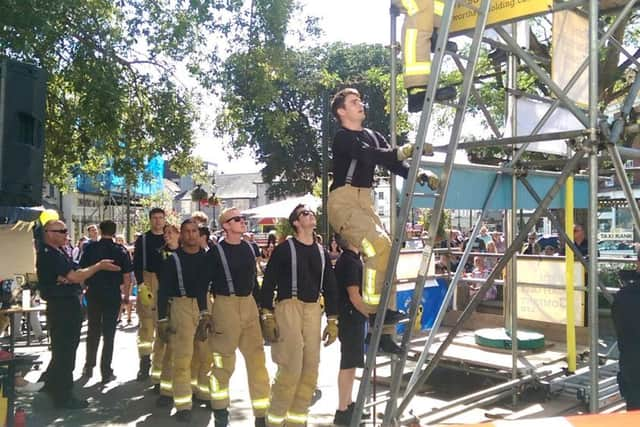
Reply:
x=426 y=195
x=377 y=402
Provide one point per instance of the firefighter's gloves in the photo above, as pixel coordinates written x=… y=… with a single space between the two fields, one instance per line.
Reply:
x=429 y=178
x=330 y=332
x=164 y=330
x=269 y=326
x=145 y=295
x=205 y=326
x=406 y=151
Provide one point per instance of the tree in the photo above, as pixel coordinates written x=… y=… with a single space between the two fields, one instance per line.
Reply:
x=615 y=72
x=113 y=95
x=276 y=109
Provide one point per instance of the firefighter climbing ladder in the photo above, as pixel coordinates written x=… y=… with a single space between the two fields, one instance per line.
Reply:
x=588 y=143
x=408 y=195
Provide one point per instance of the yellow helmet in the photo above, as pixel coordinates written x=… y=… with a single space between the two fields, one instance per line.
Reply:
x=145 y=295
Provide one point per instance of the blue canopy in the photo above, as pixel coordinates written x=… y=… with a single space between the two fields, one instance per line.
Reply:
x=469 y=187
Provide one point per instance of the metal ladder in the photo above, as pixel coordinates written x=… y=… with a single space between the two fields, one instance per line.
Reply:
x=392 y=410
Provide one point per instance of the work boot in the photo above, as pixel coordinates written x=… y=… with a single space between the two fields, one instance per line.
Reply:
x=365 y=414
x=164 y=401
x=416 y=96
x=260 y=422
x=388 y=345
x=184 y=416
x=343 y=418
x=391 y=317
x=221 y=417
x=145 y=365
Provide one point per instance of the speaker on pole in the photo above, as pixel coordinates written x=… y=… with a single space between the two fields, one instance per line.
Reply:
x=23 y=89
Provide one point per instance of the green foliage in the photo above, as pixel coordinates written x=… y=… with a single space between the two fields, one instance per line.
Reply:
x=112 y=93
x=283 y=229
x=277 y=109
x=160 y=200
x=445 y=222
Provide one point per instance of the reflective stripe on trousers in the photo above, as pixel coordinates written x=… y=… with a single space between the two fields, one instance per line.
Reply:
x=183 y=319
x=237 y=326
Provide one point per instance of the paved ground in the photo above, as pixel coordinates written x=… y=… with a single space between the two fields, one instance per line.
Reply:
x=127 y=402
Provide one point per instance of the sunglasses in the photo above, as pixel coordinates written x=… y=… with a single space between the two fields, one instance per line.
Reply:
x=306 y=213
x=63 y=231
x=237 y=218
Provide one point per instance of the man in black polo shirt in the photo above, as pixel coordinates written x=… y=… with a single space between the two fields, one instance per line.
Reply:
x=59 y=284
x=103 y=298
x=352 y=315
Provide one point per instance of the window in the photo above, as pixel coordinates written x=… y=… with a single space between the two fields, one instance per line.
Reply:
x=380 y=195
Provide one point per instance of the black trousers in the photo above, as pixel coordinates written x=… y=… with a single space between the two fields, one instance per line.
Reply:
x=64 y=319
x=102 y=313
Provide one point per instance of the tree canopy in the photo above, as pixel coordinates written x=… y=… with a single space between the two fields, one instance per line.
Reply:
x=114 y=92
x=277 y=109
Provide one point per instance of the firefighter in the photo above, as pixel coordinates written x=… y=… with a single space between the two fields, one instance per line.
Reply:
x=356 y=152
x=201 y=360
x=421 y=17
x=236 y=320
x=146 y=263
x=299 y=272
x=172 y=242
x=184 y=291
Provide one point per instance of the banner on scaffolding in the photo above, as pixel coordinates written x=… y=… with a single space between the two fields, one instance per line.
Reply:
x=530 y=111
x=464 y=18
x=548 y=304
x=570 y=49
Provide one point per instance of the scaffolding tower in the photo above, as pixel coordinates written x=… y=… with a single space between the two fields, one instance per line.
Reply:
x=598 y=139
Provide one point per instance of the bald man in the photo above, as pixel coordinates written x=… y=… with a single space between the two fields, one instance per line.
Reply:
x=59 y=284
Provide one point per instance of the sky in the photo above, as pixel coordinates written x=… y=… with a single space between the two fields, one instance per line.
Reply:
x=349 y=21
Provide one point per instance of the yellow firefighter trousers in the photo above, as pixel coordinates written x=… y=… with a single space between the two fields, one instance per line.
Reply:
x=201 y=366
x=352 y=215
x=297 y=355
x=236 y=324
x=421 y=16
x=166 y=374
x=183 y=319
x=147 y=316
